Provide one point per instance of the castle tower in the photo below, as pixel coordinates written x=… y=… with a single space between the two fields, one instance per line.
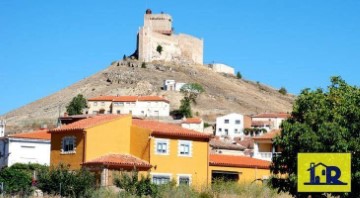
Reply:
x=157 y=41
x=160 y=23
x=2 y=128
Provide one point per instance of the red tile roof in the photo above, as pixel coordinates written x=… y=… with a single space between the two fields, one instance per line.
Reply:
x=128 y=98
x=192 y=121
x=247 y=142
x=87 y=123
x=215 y=143
x=40 y=134
x=161 y=129
x=238 y=161
x=119 y=161
x=268 y=136
x=272 y=115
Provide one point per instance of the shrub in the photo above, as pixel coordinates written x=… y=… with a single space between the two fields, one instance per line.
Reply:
x=159 y=49
x=283 y=91
x=143 y=65
x=15 y=181
x=60 y=180
x=133 y=186
x=238 y=75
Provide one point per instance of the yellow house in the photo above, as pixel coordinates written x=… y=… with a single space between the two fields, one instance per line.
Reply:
x=241 y=169
x=108 y=143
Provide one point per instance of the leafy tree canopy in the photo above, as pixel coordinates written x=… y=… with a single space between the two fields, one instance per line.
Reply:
x=321 y=121
x=76 y=105
x=192 y=91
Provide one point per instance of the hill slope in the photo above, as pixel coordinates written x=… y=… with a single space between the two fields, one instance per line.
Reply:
x=223 y=94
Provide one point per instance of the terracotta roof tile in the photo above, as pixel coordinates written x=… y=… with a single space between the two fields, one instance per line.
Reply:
x=128 y=98
x=238 y=161
x=170 y=130
x=87 y=123
x=247 y=142
x=120 y=161
x=192 y=121
x=102 y=98
x=40 y=134
x=268 y=136
x=225 y=145
x=272 y=115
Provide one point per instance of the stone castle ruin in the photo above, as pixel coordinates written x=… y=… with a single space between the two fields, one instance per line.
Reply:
x=157 y=41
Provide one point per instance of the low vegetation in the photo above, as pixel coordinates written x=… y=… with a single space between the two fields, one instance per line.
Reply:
x=76 y=105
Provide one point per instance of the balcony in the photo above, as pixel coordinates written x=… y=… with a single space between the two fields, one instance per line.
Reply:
x=266 y=155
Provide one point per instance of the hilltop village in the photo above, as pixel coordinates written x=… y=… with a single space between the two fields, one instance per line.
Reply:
x=122 y=132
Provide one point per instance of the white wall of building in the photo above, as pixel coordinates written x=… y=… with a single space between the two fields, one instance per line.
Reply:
x=2 y=128
x=231 y=125
x=23 y=150
x=194 y=126
x=222 y=68
x=274 y=122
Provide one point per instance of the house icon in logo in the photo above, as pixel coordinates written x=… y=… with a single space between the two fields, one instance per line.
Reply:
x=321 y=174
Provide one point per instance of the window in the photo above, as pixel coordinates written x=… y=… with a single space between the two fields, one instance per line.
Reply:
x=226 y=132
x=184 y=179
x=226 y=121
x=184 y=148
x=95 y=103
x=236 y=131
x=120 y=104
x=161 y=179
x=162 y=146
x=118 y=112
x=237 y=122
x=220 y=129
x=68 y=144
x=102 y=103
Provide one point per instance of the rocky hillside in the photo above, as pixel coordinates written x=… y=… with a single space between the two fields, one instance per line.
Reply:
x=224 y=93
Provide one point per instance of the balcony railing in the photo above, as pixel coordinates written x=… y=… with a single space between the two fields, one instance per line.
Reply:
x=266 y=155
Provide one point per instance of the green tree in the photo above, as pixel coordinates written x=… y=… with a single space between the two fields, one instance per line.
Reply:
x=76 y=105
x=191 y=92
x=283 y=91
x=238 y=75
x=321 y=121
x=60 y=180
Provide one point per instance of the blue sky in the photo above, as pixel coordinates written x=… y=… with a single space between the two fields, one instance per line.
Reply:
x=47 y=45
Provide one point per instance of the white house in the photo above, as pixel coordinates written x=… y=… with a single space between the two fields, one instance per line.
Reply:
x=2 y=128
x=263 y=146
x=231 y=125
x=196 y=124
x=141 y=106
x=172 y=85
x=222 y=68
x=270 y=121
x=32 y=147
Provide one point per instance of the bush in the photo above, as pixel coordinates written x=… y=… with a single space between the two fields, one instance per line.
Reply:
x=283 y=91
x=133 y=186
x=238 y=75
x=16 y=181
x=143 y=65
x=159 y=49
x=60 y=180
